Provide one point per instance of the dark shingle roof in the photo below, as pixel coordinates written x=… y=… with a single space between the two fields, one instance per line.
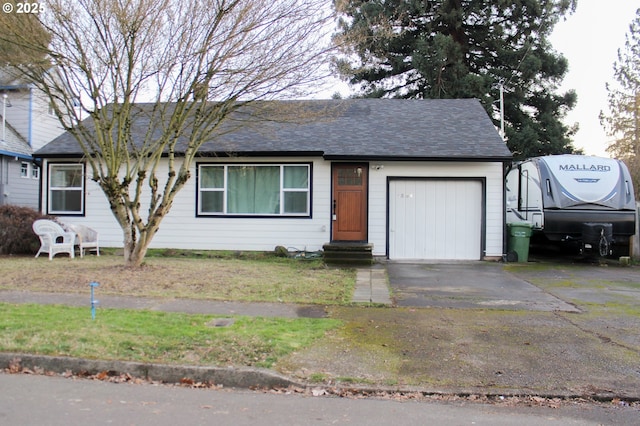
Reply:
x=449 y=129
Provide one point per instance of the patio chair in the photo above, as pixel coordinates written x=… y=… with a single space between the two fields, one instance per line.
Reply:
x=53 y=239
x=86 y=238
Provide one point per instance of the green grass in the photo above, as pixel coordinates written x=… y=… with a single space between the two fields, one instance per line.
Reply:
x=157 y=337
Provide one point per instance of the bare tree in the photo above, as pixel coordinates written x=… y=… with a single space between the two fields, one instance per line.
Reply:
x=622 y=120
x=192 y=61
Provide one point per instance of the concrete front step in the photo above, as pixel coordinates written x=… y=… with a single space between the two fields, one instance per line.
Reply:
x=348 y=253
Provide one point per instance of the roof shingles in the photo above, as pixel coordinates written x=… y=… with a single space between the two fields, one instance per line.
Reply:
x=356 y=128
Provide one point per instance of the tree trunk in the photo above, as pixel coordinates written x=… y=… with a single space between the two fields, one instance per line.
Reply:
x=137 y=244
x=134 y=255
x=135 y=248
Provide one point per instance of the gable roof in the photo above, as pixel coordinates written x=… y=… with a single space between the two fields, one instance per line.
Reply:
x=438 y=129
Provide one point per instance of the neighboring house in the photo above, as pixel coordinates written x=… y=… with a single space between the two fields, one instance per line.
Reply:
x=417 y=179
x=26 y=124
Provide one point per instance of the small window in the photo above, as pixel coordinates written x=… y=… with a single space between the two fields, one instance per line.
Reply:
x=35 y=172
x=212 y=189
x=24 y=169
x=66 y=189
x=296 y=189
x=254 y=190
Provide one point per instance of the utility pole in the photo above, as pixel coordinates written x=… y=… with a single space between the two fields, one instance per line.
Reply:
x=500 y=87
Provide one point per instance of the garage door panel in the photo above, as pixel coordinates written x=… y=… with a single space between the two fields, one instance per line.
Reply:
x=435 y=219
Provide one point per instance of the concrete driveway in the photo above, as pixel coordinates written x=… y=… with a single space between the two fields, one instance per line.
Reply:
x=467 y=285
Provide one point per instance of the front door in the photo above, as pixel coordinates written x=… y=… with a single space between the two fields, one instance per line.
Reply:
x=349 y=202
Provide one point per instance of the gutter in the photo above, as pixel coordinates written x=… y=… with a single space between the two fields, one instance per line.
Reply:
x=16 y=155
x=15 y=86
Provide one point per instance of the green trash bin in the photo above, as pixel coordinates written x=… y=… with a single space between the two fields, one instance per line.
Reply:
x=519 y=236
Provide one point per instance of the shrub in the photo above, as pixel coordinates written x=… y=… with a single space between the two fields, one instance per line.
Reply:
x=16 y=234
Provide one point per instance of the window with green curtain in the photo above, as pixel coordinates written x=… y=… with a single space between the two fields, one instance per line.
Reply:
x=254 y=189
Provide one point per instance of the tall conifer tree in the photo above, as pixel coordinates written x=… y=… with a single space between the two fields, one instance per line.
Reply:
x=465 y=49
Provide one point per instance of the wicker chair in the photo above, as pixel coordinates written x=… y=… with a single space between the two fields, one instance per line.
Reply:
x=86 y=238
x=53 y=239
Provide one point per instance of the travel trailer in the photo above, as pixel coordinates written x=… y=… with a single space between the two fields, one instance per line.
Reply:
x=573 y=198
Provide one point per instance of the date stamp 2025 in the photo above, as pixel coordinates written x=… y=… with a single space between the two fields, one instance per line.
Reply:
x=23 y=7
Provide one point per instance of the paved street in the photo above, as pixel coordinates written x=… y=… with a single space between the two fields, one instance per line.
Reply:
x=40 y=400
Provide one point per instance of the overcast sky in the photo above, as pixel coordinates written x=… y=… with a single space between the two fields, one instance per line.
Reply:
x=590 y=39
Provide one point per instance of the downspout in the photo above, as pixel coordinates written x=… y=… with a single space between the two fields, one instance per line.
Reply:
x=30 y=130
x=2 y=171
x=505 y=230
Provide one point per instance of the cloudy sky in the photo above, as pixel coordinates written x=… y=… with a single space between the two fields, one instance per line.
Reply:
x=590 y=39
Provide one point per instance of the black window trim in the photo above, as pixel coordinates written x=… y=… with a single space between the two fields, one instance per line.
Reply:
x=82 y=213
x=199 y=214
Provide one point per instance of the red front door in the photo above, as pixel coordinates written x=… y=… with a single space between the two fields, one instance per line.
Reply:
x=350 y=202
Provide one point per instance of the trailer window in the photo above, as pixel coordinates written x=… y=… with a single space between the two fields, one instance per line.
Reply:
x=524 y=189
x=548 y=187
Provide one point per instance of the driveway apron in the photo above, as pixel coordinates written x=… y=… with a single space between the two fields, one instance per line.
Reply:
x=467 y=285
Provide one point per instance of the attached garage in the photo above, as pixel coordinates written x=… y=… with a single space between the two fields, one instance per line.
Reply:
x=436 y=219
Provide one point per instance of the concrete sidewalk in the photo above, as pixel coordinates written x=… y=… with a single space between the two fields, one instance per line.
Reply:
x=189 y=306
x=372 y=287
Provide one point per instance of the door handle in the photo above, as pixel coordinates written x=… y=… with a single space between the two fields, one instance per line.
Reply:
x=334 y=210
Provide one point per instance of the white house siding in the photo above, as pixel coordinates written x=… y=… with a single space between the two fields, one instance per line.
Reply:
x=17 y=190
x=26 y=105
x=18 y=113
x=491 y=172
x=45 y=126
x=181 y=228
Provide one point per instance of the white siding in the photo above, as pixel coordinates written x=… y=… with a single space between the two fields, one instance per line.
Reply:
x=44 y=127
x=18 y=112
x=182 y=229
x=17 y=190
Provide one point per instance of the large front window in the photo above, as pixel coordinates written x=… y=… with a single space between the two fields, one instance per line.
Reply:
x=254 y=190
x=66 y=189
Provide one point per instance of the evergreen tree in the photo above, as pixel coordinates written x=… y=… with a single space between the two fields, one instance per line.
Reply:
x=465 y=49
x=623 y=119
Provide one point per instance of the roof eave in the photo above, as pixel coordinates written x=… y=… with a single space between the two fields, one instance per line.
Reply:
x=492 y=159
x=260 y=154
x=16 y=154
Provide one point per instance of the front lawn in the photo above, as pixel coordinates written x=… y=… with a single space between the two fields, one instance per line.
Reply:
x=157 y=337
x=263 y=279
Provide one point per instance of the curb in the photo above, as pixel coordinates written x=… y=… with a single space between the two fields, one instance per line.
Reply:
x=227 y=377
x=256 y=378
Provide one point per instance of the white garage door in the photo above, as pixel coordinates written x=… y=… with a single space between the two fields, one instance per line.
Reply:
x=435 y=219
